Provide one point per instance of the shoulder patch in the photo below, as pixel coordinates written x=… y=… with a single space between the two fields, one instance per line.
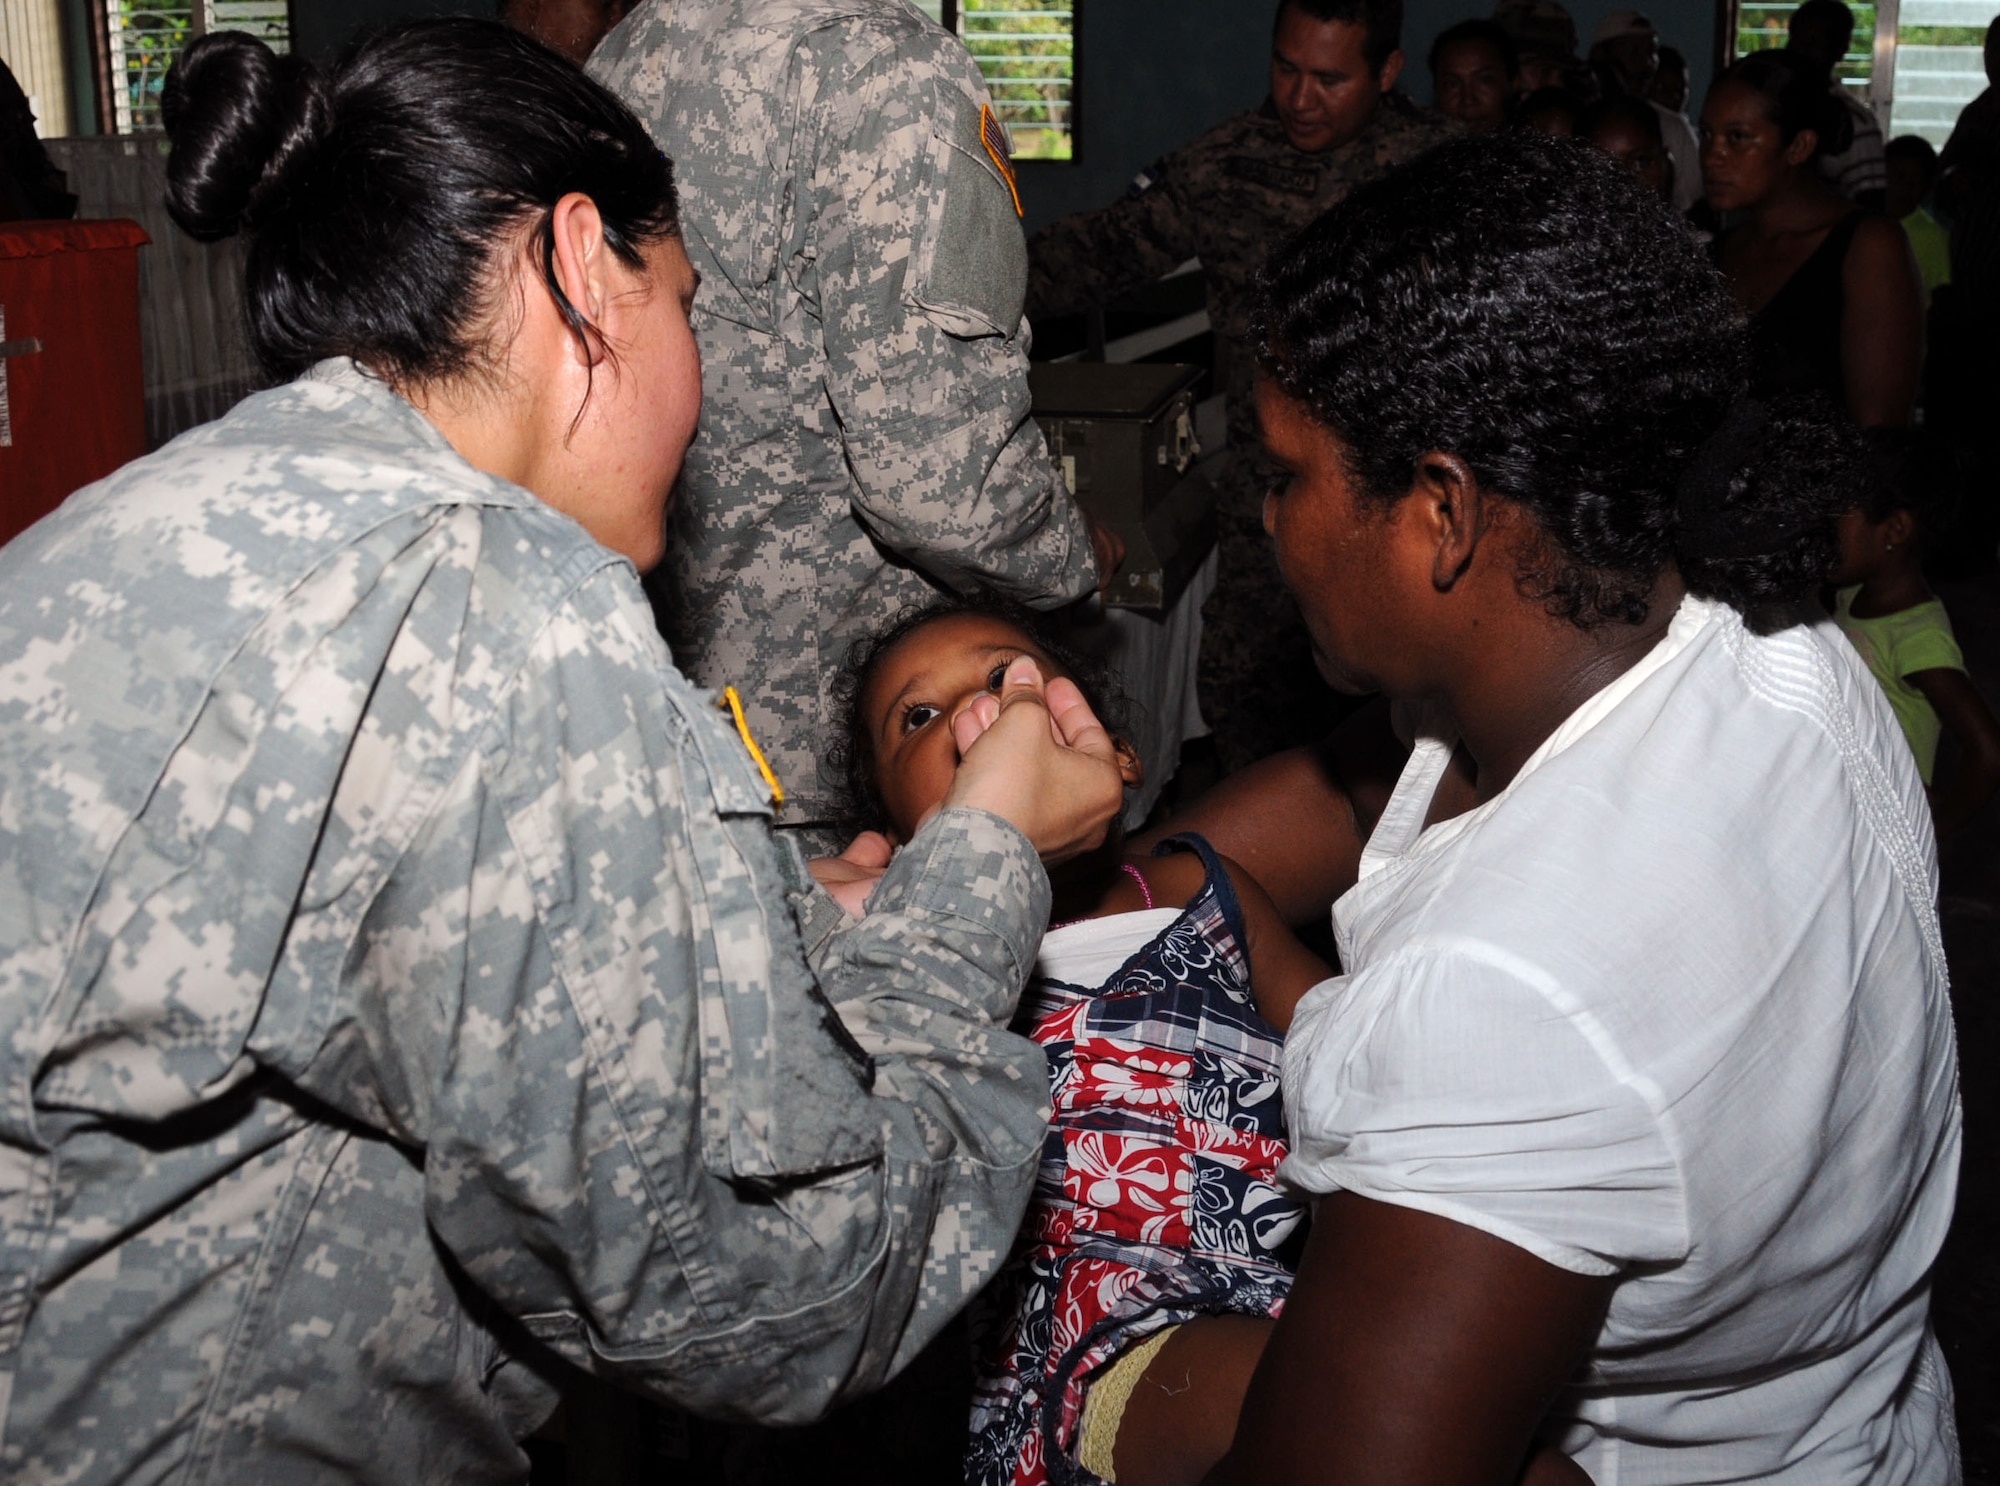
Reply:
x=993 y=134
x=1271 y=176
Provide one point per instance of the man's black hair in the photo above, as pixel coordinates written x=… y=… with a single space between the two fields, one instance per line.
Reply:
x=1624 y=109
x=1380 y=20
x=1545 y=103
x=1828 y=16
x=1491 y=32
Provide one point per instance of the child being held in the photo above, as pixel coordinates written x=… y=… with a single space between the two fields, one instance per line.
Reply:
x=1890 y=615
x=1157 y=1245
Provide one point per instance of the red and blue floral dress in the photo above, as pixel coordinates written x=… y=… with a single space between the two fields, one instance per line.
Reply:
x=1157 y=1200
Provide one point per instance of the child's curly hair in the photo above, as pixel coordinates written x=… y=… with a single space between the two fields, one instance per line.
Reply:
x=1912 y=470
x=850 y=758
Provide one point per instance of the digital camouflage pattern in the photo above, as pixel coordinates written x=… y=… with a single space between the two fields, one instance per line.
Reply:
x=865 y=430
x=399 y=984
x=1230 y=198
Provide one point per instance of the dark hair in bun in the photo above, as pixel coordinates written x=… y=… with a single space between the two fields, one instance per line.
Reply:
x=235 y=111
x=1526 y=304
x=1797 y=95
x=374 y=198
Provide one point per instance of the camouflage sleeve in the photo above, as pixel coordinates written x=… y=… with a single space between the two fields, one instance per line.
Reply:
x=1091 y=258
x=920 y=269
x=646 y=1133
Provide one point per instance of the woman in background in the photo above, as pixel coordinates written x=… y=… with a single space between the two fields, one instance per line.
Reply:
x=1833 y=295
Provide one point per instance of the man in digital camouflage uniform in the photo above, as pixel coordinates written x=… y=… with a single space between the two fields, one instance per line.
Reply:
x=1332 y=121
x=848 y=200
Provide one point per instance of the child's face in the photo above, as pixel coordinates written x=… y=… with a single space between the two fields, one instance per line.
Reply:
x=928 y=678
x=1908 y=180
x=1865 y=546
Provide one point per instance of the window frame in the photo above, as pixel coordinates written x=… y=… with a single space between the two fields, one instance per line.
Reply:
x=1881 y=92
x=113 y=112
x=949 y=17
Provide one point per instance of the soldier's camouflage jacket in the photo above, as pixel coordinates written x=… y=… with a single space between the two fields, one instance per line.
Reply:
x=399 y=982
x=1229 y=197
x=864 y=366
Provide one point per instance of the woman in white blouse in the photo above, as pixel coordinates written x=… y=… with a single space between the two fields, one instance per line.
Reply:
x=1635 y=1108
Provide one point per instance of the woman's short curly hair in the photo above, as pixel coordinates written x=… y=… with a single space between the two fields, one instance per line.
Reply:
x=1525 y=304
x=849 y=760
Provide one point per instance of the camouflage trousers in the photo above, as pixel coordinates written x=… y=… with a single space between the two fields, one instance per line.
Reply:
x=1260 y=691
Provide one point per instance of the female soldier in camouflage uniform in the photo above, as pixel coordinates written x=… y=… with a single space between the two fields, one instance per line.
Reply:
x=399 y=986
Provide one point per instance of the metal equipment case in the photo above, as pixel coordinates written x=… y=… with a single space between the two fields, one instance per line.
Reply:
x=1123 y=436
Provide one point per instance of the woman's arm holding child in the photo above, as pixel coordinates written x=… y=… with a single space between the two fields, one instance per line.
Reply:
x=1298 y=820
x=1281 y=968
x=1413 y=1348
x=1967 y=718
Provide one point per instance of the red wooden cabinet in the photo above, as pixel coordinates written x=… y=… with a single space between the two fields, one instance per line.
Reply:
x=74 y=377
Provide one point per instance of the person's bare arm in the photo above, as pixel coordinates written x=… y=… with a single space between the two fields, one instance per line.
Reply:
x=1413 y=1349
x=1881 y=326
x=1281 y=968
x=1969 y=721
x=1297 y=821
x=1183 y=1414
x=1109 y=548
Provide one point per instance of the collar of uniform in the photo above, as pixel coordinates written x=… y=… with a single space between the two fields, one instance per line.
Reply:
x=367 y=401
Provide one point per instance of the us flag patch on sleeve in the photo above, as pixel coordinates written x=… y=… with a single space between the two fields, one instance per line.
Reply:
x=993 y=134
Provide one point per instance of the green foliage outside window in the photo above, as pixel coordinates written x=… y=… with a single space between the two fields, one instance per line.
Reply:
x=146 y=36
x=1027 y=50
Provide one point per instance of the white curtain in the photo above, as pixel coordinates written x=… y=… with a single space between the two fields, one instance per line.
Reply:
x=198 y=361
x=31 y=46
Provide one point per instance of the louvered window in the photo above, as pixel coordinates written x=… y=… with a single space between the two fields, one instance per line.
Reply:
x=142 y=38
x=1938 y=64
x=1027 y=50
x=1915 y=62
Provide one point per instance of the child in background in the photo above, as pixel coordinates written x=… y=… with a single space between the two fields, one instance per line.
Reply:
x=1912 y=167
x=1122 y=1334
x=1889 y=614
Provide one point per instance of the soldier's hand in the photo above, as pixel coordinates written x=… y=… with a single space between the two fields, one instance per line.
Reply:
x=1109 y=548
x=1037 y=756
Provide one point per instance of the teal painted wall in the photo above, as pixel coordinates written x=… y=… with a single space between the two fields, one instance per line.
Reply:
x=1154 y=72
x=322 y=27
x=1157 y=72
